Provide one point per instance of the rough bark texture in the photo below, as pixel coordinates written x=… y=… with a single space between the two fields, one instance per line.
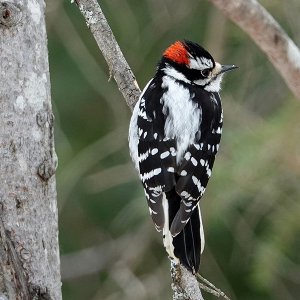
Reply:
x=184 y=283
x=29 y=255
x=268 y=35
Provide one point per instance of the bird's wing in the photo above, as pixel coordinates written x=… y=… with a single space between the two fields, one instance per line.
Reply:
x=157 y=155
x=195 y=171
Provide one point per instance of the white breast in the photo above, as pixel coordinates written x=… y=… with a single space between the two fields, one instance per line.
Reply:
x=184 y=116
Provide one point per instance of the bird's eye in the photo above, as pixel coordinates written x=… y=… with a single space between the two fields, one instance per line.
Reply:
x=205 y=72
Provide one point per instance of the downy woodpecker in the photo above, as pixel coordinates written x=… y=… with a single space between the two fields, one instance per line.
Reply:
x=174 y=136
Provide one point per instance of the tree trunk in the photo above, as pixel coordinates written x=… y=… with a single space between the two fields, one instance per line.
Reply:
x=29 y=253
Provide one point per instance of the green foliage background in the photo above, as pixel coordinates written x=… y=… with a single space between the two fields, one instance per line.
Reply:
x=251 y=210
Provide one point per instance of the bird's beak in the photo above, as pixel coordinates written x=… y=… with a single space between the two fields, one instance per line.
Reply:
x=226 y=68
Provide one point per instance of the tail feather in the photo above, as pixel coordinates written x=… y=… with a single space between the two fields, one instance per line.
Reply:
x=189 y=243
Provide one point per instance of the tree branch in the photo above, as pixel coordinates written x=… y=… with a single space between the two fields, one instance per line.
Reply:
x=118 y=66
x=184 y=283
x=265 y=31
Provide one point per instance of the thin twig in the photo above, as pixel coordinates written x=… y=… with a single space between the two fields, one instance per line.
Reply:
x=269 y=37
x=208 y=289
x=211 y=288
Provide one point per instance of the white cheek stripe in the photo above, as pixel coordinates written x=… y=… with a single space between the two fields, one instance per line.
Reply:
x=175 y=74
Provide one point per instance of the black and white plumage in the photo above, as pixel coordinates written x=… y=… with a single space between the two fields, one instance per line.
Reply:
x=174 y=136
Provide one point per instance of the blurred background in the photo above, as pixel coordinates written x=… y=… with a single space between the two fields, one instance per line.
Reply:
x=251 y=210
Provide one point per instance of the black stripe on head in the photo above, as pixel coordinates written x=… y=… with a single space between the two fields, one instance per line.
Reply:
x=196 y=50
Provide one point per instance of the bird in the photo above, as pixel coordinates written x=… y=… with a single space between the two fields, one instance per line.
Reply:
x=174 y=135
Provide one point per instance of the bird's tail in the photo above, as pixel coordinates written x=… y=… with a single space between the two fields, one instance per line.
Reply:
x=189 y=243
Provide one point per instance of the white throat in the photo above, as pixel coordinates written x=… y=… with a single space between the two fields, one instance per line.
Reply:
x=215 y=85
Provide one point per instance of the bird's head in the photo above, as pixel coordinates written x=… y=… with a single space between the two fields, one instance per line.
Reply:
x=187 y=61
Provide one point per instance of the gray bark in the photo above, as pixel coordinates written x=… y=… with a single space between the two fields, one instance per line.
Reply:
x=266 y=32
x=29 y=253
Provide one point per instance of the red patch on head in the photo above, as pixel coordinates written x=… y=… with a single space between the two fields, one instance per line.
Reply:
x=177 y=53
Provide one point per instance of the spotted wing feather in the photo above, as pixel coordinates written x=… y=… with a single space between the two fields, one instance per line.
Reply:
x=157 y=155
x=195 y=172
